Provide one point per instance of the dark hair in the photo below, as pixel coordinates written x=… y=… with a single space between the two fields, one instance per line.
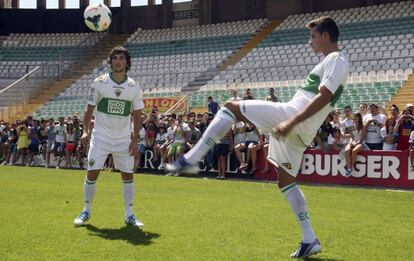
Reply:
x=120 y=50
x=210 y=97
x=348 y=107
x=325 y=24
x=358 y=117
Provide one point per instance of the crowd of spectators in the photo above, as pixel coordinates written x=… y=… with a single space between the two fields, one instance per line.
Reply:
x=169 y=135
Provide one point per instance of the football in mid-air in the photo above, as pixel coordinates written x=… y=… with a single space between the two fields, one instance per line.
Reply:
x=98 y=17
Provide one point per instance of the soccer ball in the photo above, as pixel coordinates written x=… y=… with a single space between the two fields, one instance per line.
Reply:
x=98 y=17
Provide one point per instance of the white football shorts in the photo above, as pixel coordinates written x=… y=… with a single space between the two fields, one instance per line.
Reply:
x=285 y=152
x=99 y=151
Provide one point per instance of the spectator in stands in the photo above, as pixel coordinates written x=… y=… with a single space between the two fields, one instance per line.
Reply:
x=43 y=139
x=50 y=140
x=77 y=130
x=222 y=150
x=321 y=138
x=180 y=139
x=34 y=142
x=83 y=146
x=193 y=134
x=403 y=129
x=336 y=140
x=373 y=123
x=363 y=109
x=11 y=144
x=201 y=122
x=3 y=140
x=141 y=148
x=252 y=139
x=347 y=124
x=234 y=96
x=356 y=144
x=239 y=133
x=69 y=144
x=213 y=106
x=410 y=108
x=151 y=128
x=412 y=150
x=336 y=120
x=394 y=112
x=59 y=145
x=388 y=134
x=272 y=97
x=248 y=95
x=159 y=142
x=263 y=140
x=164 y=149
x=22 y=142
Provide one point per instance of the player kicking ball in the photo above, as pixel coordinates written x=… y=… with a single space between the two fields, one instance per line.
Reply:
x=293 y=125
x=114 y=95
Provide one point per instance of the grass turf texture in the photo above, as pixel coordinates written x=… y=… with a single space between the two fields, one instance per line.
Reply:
x=194 y=219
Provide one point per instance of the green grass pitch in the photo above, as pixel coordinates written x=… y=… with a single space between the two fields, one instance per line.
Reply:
x=194 y=219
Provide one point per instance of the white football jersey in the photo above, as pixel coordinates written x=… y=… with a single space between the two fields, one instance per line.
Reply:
x=114 y=103
x=331 y=72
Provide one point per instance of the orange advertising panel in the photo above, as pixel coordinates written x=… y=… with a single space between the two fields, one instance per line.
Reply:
x=164 y=104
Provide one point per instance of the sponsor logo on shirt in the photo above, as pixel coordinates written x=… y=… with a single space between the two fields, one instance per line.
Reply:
x=116 y=107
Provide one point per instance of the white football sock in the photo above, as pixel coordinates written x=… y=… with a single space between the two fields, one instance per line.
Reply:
x=89 y=189
x=218 y=127
x=298 y=204
x=128 y=194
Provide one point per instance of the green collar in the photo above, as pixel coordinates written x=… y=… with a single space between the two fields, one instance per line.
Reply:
x=115 y=81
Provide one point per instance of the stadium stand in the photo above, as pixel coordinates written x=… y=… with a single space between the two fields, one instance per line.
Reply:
x=379 y=43
x=164 y=61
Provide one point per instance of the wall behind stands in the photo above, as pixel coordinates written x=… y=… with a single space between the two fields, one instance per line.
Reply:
x=126 y=20
x=279 y=9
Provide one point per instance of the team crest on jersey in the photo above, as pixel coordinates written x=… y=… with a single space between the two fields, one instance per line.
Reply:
x=101 y=78
x=287 y=165
x=118 y=92
x=91 y=162
x=131 y=83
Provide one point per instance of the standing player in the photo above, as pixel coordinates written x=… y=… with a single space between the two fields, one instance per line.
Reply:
x=293 y=125
x=114 y=95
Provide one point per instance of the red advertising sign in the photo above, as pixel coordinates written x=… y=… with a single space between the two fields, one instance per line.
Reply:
x=373 y=168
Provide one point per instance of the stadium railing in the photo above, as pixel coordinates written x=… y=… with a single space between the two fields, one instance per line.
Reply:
x=17 y=96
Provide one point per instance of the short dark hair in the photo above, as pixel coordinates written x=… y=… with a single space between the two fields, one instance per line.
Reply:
x=348 y=107
x=210 y=97
x=120 y=50
x=325 y=24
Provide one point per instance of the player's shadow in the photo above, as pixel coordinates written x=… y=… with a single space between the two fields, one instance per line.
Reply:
x=321 y=259
x=129 y=234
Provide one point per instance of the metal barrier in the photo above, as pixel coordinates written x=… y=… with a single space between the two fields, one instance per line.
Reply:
x=15 y=98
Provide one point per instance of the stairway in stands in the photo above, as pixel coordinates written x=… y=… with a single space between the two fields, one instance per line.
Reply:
x=404 y=95
x=232 y=59
x=48 y=92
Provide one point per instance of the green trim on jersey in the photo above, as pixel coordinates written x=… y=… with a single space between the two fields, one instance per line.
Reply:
x=312 y=83
x=119 y=83
x=114 y=106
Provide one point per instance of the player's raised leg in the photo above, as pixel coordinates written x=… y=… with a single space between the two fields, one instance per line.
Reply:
x=220 y=125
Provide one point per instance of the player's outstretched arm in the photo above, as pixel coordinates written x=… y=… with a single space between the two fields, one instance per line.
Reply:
x=136 y=119
x=320 y=101
x=86 y=121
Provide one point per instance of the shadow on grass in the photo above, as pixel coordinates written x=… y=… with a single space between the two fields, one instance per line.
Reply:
x=129 y=234
x=321 y=259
